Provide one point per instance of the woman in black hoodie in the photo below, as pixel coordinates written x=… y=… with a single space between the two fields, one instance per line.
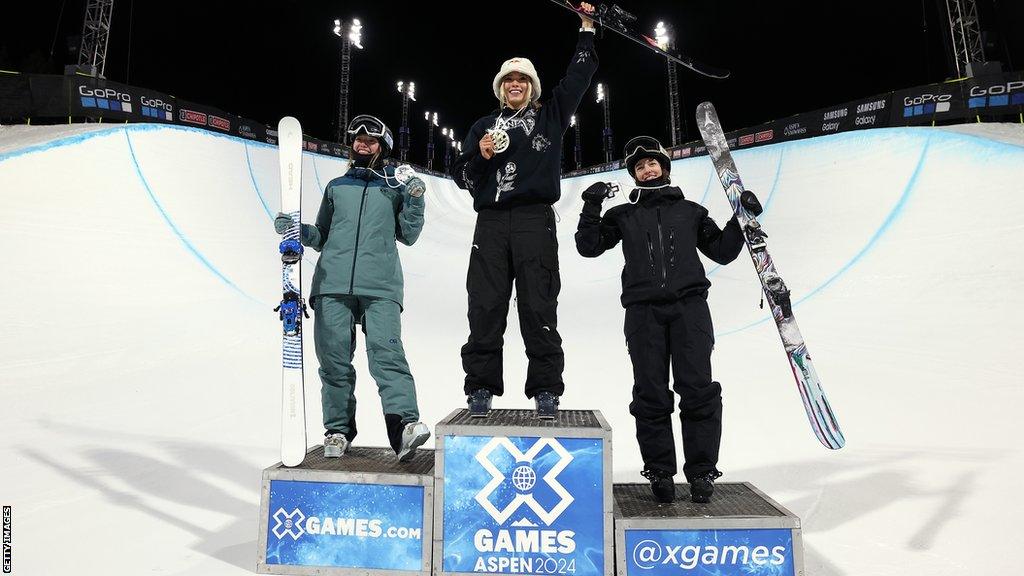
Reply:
x=664 y=292
x=512 y=166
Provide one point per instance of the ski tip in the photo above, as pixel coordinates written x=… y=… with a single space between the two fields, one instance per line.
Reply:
x=288 y=123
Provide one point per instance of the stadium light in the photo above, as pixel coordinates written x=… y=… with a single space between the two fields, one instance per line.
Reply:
x=661 y=36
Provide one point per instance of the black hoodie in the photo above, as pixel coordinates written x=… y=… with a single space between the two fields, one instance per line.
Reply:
x=529 y=171
x=660 y=235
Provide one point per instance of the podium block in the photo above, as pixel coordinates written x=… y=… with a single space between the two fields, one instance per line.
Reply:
x=362 y=514
x=519 y=495
x=740 y=532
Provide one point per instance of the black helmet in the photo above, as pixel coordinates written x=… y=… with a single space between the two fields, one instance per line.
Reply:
x=642 y=147
x=371 y=126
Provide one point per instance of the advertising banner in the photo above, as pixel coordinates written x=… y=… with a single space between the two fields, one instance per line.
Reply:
x=363 y=526
x=524 y=505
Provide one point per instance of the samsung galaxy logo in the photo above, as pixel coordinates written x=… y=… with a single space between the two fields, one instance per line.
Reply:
x=871 y=106
x=836 y=114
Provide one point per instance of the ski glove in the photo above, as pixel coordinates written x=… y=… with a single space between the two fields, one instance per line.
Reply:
x=596 y=192
x=282 y=223
x=416 y=187
x=751 y=203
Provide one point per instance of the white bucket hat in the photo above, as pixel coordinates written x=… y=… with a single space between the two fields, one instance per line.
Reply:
x=524 y=67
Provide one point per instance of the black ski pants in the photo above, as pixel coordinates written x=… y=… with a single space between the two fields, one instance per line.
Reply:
x=680 y=332
x=514 y=245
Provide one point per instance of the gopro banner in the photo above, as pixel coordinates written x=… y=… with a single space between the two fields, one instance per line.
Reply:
x=372 y=526
x=719 y=552
x=524 y=505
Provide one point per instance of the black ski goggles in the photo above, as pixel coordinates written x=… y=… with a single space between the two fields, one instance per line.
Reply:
x=371 y=126
x=644 y=145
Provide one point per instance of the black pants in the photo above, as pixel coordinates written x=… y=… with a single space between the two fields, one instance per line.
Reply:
x=516 y=244
x=680 y=331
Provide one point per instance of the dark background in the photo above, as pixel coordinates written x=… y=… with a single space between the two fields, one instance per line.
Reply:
x=263 y=60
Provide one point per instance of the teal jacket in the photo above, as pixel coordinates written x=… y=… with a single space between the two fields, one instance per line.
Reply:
x=360 y=219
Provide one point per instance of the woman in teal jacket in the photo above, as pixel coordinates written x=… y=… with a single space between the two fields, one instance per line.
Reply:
x=358 y=280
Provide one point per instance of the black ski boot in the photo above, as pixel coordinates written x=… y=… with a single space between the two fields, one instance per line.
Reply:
x=547 y=405
x=662 y=486
x=479 y=403
x=703 y=486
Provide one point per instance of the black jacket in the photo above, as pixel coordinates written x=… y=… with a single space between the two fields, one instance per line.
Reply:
x=660 y=236
x=529 y=171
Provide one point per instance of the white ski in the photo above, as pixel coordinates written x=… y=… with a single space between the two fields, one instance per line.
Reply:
x=293 y=306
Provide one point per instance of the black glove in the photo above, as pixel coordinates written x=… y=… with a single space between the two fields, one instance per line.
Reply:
x=751 y=203
x=596 y=192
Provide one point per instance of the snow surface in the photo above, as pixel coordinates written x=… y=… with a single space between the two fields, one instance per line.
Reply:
x=141 y=360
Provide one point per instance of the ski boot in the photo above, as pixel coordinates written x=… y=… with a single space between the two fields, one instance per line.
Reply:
x=662 y=486
x=479 y=403
x=702 y=487
x=335 y=445
x=547 y=405
x=413 y=436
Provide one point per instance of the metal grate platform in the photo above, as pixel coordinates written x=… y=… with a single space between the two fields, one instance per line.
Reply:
x=368 y=460
x=527 y=418
x=730 y=500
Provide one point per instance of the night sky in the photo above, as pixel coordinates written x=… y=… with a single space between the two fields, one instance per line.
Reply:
x=263 y=60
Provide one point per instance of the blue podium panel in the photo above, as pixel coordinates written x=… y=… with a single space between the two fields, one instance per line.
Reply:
x=364 y=513
x=737 y=552
x=741 y=532
x=521 y=496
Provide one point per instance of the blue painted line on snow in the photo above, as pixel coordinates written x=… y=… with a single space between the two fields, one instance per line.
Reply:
x=316 y=174
x=767 y=202
x=184 y=240
x=255 y=186
x=894 y=213
x=707 y=187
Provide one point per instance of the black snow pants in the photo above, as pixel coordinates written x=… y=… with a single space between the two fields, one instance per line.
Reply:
x=679 y=331
x=514 y=244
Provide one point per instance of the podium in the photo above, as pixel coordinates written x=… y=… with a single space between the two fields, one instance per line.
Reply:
x=740 y=532
x=362 y=514
x=510 y=494
x=518 y=495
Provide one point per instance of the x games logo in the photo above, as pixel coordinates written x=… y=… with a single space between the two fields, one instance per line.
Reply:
x=523 y=479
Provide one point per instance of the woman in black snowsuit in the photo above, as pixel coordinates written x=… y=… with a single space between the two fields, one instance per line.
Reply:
x=512 y=166
x=664 y=292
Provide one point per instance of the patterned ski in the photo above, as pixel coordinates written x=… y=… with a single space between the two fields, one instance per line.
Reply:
x=820 y=414
x=293 y=306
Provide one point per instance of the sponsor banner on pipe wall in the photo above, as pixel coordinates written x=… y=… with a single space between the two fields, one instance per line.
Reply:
x=925 y=104
x=524 y=505
x=95 y=97
x=871 y=112
x=198 y=115
x=995 y=94
x=999 y=94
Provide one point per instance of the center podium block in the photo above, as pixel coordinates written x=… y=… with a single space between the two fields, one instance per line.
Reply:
x=518 y=495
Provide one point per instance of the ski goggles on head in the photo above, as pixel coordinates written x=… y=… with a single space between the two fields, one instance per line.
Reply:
x=644 y=146
x=371 y=126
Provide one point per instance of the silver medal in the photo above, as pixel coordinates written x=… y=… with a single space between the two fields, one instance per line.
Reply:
x=500 y=138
